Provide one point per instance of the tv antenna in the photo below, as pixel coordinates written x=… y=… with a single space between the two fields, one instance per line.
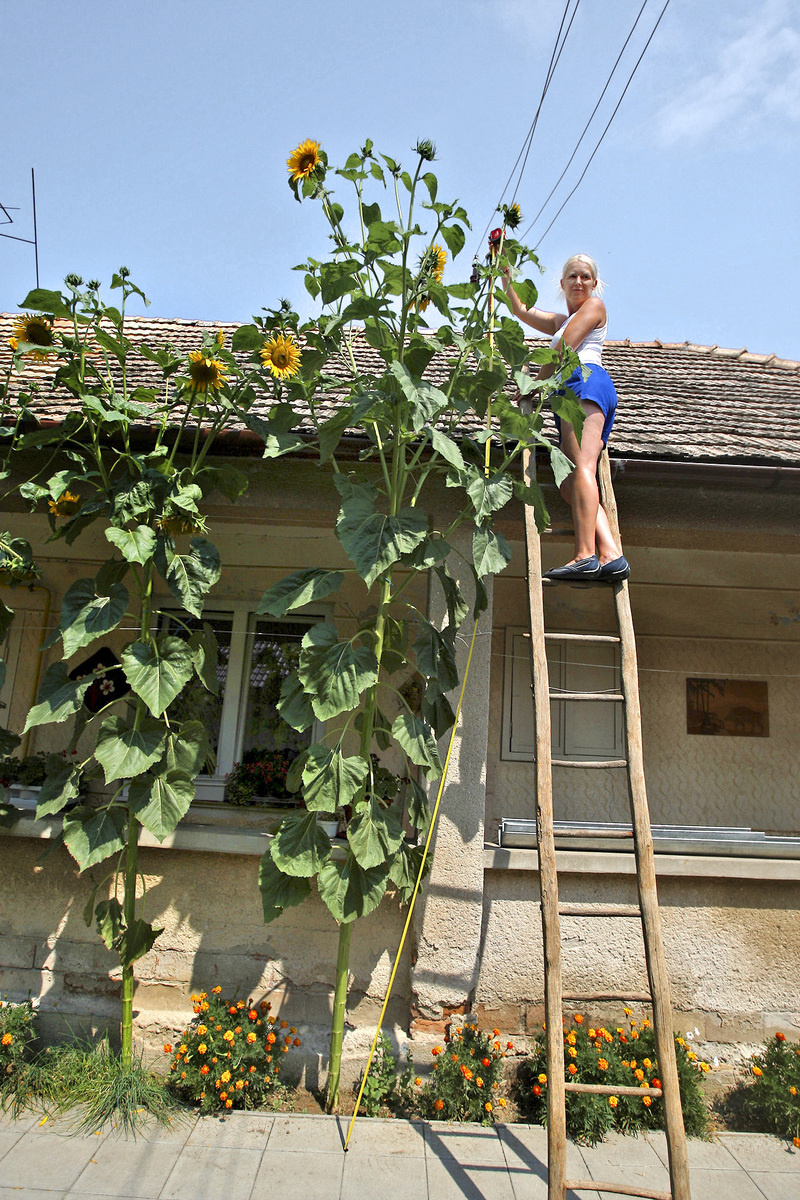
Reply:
x=7 y=210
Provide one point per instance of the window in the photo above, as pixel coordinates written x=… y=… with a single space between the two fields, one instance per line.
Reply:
x=581 y=730
x=255 y=656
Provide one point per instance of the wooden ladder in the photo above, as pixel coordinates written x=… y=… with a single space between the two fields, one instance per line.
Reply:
x=647 y=910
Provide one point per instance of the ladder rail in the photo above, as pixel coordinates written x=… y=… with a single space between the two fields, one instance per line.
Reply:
x=648 y=912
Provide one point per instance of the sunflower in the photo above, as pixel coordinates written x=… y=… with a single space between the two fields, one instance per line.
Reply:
x=177 y=523
x=436 y=258
x=303 y=161
x=37 y=331
x=205 y=374
x=65 y=506
x=513 y=215
x=282 y=356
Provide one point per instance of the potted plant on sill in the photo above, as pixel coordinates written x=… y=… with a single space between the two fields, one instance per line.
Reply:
x=260 y=778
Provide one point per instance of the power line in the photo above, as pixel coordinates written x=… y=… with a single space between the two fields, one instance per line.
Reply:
x=605 y=131
x=526 y=145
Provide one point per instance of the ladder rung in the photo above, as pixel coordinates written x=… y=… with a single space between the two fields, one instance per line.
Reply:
x=593 y=832
x=616 y=696
x=608 y=1089
x=618 y=1189
x=583 y=637
x=551 y=532
x=585 y=997
x=592 y=766
x=580 y=910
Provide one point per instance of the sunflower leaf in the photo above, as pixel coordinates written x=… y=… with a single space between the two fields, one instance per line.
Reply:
x=416 y=738
x=349 y=890
x=374 y=834
x=302 y=587
x=158 y=671
x=300 y=847
x=374 y=540
x=278 y=890
x=491 y=552
x=330 y=781
x=93 y=834
x=59 y=696
x=124 y=752
x=334 y=673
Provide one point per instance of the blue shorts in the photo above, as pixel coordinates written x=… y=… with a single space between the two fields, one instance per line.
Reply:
x=599 y=389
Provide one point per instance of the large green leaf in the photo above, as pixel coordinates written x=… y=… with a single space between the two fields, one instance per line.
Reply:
x=60 y=787
x=108 y=921
x=447 y=448
x=59 y=696
x=435 y=655
x=86 y=616
x=531 y=495
x=374 y=540
x=330 y=781
x=457 y=607
x=334 y=673
x=295 y=705
x=136 y=545
x=489 y=494
x=205 y=656
x=491 y=552
x=135 y=941
x=417 y=807
x=187 y=749
x=349 y=890
x=93 y=834
x=160 y=798
x=374 y=833
x=426 y=401
x=562 y=467
x=158 y=671
x=437 y=710
x=302 y=587
x=189 y=576
x=404 y=870
x=418 y=741
x=300 y=847
x=124 y=752
x=279 y=891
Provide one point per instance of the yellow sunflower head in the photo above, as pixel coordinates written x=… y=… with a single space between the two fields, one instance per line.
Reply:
x=282 y=355
x=303 y=161
x=433 y=262
x=513 y=215
x=37 y=331
x=205 y=374
x=66 y=505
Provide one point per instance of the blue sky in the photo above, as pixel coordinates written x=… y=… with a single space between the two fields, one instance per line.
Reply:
x=159 y=133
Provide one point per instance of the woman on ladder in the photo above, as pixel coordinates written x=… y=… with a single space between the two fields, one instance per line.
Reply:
x=583 y=328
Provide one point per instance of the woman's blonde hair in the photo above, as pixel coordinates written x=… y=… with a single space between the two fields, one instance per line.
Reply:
x=587 y=262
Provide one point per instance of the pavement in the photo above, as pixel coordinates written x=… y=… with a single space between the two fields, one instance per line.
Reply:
x=255 y=1156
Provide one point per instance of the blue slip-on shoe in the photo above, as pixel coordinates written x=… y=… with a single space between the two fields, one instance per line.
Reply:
x=583 y=571
x=615 y=571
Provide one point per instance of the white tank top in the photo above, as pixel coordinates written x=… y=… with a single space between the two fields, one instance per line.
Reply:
x=590 y=351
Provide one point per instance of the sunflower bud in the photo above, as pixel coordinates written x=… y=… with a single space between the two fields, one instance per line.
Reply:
x=93 y=285
x=426 y=149
x=73 y=281
x=124 y=273
x=512 y=215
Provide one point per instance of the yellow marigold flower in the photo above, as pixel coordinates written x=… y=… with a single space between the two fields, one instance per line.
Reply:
x=757 y=1071
x=647 y=1101
x=418 y=1082
x=639 y=1074
x=607 y=1036
x=168 y=1049
x=251 y=1037
x=602 y=1064
x=705 y=1067
x=436 y=1050
x=571 y=1039
x=634 y=1034
x=646 y=1062
x=216 y=990
x=201 y=1029
x=229 y=1104
x=501 y=1102
x=201 y=1049
x=303 y=161
x=205 y=374
x=542 y=1078
x=613 y=1101
x=591 y=1034
x=7 y=1039
x=228 y=1035
x=645 y=1024
x=204 y=1006
x=239 y=1084
x=281 y=355
x=225 y=1076
x=479 y=1081
x=634 y=1064
x=627 y=1011
x=13 y=343
x=680 y=1041
x=182 y=1048
x=792 y=1091
x=66 y=505
x=691 y=1056
x=572 y=1052
x=36 y=331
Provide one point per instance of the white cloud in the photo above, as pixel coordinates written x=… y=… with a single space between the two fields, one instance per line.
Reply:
x=754 y=84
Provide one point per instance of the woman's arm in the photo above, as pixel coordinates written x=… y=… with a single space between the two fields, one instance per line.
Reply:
x=539 y=318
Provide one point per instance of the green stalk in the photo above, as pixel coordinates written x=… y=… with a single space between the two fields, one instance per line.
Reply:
x=339 y=1005
x=129 y=911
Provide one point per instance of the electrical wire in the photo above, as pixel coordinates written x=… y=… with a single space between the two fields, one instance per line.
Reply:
x=526 y=145
x=605 y=131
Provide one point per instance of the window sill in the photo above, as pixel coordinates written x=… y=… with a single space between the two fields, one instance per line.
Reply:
x=606 y=862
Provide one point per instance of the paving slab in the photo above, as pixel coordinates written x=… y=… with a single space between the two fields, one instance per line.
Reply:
x=374 y=1135
x=762 y=1152
x=45 y=1161
x=451 y=1179
x=629 y=1160
x=237 y=1130
x=724 y=1185
x=466 y=1143
x=710 y=1156
x=127 y=1168
x=290 y=1176
x=15 y=1193
x=525 y=1148
x=776 y=1185
x=308 y=1135
x=202 y=1174
x=382 y=1177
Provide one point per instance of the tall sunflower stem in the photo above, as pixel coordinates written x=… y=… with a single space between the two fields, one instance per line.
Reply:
x=339 y=1005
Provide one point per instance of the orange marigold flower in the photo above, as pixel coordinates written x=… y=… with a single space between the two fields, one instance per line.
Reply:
x=251 y=1037
x=572 y=1052
x=486 y=1062
x=253 y=1015
x=542 y=1078
x=613 y=1101
x=647 y=1063
x=509 y=1045
x=6 y=1040
x=241 y=1004
x=183 y=1074
x=578 y=1019
x=571 y=1039
x=251 y=1069
x=229 y=1104
x=438 y=1105
x=204 y=1006
x=436 y=1050
x=297 y=1042
x=201 y=1049
x=223 y=1095
x=792 y=1091
x=622 y=1037
x=591 y=1033
x=639 y=1074
x=495 y=1033
x=655 y=1083
x=168 y=1048
x=239 y=1084
x=488 y=1106
x=232 y=1009
x=796 y=1142
x=602 y=1064
x=182 y=1048
x=757 y=1071
x=573 y=1070
x=271 y=1038
x=647 y=1101
x=216 y=990
x=780 y=1037
x=204 y=1069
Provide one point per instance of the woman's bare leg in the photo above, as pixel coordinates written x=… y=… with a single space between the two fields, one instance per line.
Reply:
x=592 y=531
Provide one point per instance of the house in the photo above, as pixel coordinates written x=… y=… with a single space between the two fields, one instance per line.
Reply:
x=706 y=465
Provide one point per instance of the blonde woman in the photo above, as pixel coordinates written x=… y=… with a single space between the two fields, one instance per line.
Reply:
x=583 y=328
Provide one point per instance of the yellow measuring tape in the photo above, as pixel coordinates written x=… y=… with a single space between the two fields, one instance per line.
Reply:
x=442 y=782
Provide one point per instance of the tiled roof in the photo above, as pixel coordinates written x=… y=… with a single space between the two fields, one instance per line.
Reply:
x=677 y=401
